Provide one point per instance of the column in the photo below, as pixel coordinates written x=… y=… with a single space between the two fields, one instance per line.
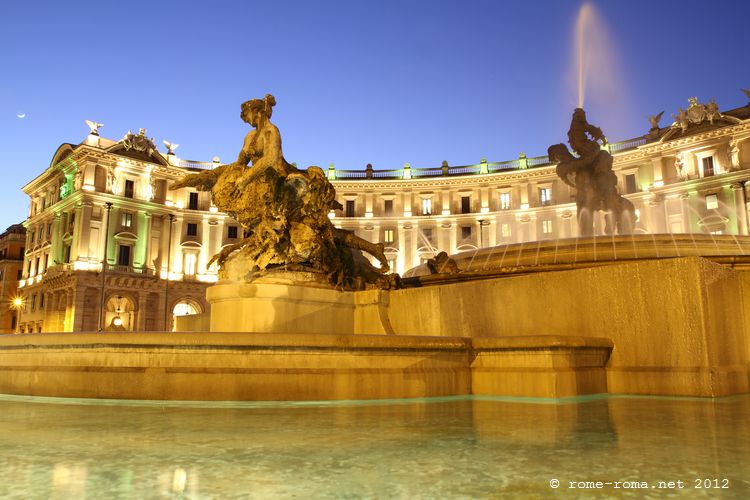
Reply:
x=740 y=207
x=685 y=208
x=401 y=260
x=140 y=322
x=142 y=245
x=57 y=254
x=205 y=255
x=163 y=244
x=74 y=246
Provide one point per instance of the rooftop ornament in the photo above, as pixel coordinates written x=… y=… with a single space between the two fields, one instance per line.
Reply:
x=284 y=213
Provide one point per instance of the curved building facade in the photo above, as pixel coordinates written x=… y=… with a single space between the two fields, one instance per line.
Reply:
x=109 y=201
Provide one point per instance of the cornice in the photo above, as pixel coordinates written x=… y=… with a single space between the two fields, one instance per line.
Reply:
x=451 y=182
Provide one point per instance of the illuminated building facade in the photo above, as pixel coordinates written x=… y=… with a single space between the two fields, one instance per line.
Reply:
x=12 y=249
x=686 y=178
x=105 y=198
x=111 y=198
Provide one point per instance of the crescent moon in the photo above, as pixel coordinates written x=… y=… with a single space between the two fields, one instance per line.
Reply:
x=21 y=115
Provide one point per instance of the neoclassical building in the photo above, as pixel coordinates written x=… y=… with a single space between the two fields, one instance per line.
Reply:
x=12 y=250
x=105 y=200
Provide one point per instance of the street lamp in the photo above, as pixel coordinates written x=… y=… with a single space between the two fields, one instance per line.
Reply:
x=17 y=305
x=108 y=206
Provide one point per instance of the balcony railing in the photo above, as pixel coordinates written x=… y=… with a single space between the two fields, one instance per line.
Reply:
x=478 y=169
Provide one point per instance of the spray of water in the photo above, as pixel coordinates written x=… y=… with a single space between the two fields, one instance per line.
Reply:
x=597 y=77
x=584 y=20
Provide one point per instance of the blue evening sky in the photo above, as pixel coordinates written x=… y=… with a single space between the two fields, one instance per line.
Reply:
x=357 y=82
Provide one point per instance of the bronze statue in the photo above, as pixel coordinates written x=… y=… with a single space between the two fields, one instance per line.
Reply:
x=284 y=211
x=591 y=175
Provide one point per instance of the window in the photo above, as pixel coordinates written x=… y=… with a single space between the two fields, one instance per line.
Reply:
x=504 y=201
x=630 y=186
x=19 y=274
x=388 y=207
x=66 y=253
x=190 y=259
x=547 y=226
x=712 y=201
x=127 y=219
x=388 y=235
x=465 y=232
x=37 y=266
x=545 y=196
x=505 y=229
x=349 y=208
x=427 y=206
x=466 y=204
x=708 y=166
x=193 y=201
x=49 y=230
x=232 y=232
x=427 y=233
x=192 y=229
x=41 y=301
x=71 y=222
x=33 y=302
x=123 y=255
x=129 y=185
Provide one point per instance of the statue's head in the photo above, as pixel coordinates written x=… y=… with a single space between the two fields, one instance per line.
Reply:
x=254 y=107
x=579 y=115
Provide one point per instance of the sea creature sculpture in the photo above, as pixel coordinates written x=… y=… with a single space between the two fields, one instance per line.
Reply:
x=284 y=212
x=591 y=175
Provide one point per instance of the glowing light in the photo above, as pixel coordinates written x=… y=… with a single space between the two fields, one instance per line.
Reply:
x=407 y=213
x=81 y=266
x=524 y=206
x=213 y=209
x=18 y=302
x=169 y=203
x=180 y=204
x=484 y=210
x=658 y=184
x=368 y=215
x=446 y=211
x=117 y=321
x=331 y=214
x=88 y=187
x=208 y=278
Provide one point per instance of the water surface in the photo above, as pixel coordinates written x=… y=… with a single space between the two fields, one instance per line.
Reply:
x=432 y=448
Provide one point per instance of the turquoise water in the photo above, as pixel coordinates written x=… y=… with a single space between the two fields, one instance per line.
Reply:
x=434 y=448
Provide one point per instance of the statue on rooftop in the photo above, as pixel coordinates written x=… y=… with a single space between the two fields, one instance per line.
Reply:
x=284 y=213
x=591 y=175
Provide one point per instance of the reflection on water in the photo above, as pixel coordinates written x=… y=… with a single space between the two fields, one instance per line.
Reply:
x=438 y=448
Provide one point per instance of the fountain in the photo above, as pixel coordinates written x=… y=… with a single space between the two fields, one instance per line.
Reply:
x=299 y=313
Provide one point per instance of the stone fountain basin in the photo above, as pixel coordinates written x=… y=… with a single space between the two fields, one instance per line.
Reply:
x=583 y=252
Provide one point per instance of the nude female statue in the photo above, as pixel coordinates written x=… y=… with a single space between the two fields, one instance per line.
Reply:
x=283 y=210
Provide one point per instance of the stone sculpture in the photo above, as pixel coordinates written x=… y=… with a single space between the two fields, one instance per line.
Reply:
x=284 y=214
x=442 y=264
x=591 y=175
x=654 y=120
